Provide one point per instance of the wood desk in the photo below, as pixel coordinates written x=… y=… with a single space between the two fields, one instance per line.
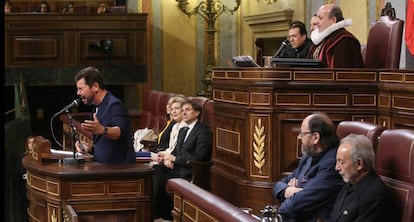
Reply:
x=258 y=114
x=88 y=192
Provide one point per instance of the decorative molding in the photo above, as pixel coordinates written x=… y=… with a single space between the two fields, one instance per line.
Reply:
x=270 y=1
x=225 y=145
x=258 y=145
x=270 y=25
x=53 y=217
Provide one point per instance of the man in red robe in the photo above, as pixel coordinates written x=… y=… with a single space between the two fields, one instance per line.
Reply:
x=332 y=43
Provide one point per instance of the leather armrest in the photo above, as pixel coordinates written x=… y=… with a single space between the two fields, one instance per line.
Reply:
x=208 y=202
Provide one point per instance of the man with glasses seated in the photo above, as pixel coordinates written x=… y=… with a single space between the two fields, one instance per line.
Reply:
x=309 y=193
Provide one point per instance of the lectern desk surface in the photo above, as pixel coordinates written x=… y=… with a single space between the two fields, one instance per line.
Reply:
x=90 y=191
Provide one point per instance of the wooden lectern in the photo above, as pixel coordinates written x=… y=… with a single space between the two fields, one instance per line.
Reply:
x=90 y=191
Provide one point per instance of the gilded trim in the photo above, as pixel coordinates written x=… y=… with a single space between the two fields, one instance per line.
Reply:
x=394 y=104
x=356 y=76
x=391 y=77
x=344 y=99
x=31 y=177
x=49 y=185
x=372 y=97
x=280 y=95
x=259 y=145
x=255 y=96
x=221 y=146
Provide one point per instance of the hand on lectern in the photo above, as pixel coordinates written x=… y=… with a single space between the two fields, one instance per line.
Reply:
x=82 y=147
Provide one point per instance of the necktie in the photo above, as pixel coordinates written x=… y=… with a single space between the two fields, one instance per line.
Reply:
x=180 y=138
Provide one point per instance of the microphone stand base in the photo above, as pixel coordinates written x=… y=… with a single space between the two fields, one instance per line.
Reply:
x=73 y=161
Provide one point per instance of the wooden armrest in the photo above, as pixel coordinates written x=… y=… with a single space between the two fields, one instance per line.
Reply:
x=69 y=214
x=201 y=173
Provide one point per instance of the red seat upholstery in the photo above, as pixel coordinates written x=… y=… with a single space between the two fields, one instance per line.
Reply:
x=208 y=115
x=153 y=103
x=370 y=130
x=395 y=164
x=201 y=101
x=145 y=114
x=384 y=43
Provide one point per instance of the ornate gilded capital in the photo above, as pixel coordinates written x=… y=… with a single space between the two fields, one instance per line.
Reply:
x=270 y=1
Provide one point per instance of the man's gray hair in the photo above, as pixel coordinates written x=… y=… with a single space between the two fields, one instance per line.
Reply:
x=361 y=147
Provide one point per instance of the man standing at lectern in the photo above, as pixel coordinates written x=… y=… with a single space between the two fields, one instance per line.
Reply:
x=309 y=193
x=110 y=122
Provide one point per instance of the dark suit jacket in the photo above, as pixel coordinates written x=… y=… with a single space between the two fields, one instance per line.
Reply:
x=321 y=183
x=364 y=202
x=165 y=137
x=197 y=146
x=112 y=112
x=301 y=52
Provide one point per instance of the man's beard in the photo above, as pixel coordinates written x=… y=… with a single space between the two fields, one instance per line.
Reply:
x=310 y=150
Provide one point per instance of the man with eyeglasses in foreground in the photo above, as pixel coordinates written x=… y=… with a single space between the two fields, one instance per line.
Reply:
x=309 y=193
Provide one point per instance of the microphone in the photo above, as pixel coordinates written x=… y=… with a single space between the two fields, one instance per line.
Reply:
x=282 y=47
x=75 y=102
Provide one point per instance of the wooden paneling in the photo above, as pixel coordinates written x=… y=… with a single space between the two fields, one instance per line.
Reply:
x=56 y=5
x=70 y=40
x=258 y=113
x=91 y=191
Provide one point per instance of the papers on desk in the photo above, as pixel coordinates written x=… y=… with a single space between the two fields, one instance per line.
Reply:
x=244 y=61
x=143 y=154
x=65 y=152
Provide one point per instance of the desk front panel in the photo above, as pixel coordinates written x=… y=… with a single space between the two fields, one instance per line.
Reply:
x=258 y=114
x=120 y=194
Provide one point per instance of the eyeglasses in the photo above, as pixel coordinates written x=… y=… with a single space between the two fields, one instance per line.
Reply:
x=302 y=134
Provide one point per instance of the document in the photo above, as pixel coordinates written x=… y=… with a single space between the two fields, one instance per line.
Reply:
x=65 y=152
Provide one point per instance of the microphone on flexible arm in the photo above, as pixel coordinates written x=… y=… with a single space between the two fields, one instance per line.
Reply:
x=282 y=47
x=75 y=102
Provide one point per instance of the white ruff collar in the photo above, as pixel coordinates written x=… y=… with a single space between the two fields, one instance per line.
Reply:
x=317 y=37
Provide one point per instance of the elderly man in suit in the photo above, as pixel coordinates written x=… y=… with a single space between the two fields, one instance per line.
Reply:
x=308 y=194
x=364 y=196
x=193 y=143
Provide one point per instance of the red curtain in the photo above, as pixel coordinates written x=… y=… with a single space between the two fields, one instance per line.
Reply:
x=409 y=26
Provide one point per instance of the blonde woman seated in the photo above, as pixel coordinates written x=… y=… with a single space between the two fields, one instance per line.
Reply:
x=171 y=133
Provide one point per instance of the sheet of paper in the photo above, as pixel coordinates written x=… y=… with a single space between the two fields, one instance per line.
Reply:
x=65 y=152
